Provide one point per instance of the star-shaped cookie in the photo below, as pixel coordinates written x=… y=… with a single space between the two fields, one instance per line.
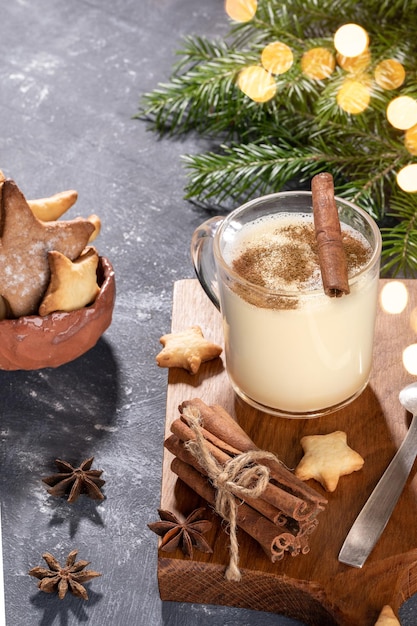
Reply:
x=327 y=458
x=186 y=349
x=387 y=617
x=24 y=245
x=73 y=284
x=51 y=208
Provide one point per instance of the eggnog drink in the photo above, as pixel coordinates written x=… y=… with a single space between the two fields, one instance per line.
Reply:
x=289 y=346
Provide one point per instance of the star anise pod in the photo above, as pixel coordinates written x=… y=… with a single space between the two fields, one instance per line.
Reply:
x=185 y=535
x=61 y=579
x=73 y=481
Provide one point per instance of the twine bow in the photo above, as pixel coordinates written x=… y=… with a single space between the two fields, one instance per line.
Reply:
x=241 y=477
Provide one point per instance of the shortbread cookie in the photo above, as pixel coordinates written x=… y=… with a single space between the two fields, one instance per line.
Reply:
x=73 y=285
x=326 y=458
x=187 y=349
x=387 y=617
x=96 y=222
x=51 y=208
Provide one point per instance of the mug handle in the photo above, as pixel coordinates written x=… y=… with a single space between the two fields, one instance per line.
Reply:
x=203 y=258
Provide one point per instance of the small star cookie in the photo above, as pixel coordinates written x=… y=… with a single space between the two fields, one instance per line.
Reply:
x=326 y=458
x=73 y=285
x=186 y=349
x=387 y=617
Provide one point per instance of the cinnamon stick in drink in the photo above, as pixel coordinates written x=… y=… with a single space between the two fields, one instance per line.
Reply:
x=332 y=257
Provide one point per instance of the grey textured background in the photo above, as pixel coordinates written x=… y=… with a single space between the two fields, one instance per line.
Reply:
x=71 y=75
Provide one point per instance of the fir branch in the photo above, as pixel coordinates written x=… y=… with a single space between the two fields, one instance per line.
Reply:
x=302 y=130
x=203 y=95
x=300 y=149
x=399 y=251
x=243 y=169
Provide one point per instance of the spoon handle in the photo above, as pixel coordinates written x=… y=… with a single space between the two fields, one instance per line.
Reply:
x=374 y=516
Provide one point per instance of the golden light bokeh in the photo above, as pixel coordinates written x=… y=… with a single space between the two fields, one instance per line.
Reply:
x=353 y=96
x=407 y=178
x=354 y=64
x=410 y=359
x=389 y=74
x=277 y=57
x=241 y=10
x=351 y=40
x=410 y=140
x=318 y=63
x=394 y=297
x=402 y=112
x=257 y=83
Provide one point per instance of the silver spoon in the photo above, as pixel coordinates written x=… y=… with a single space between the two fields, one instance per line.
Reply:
x=374 y=516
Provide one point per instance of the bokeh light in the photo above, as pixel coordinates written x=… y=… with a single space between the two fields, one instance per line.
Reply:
x=277 y=57
x=410 y=140
x=353 y=96
x=407 y=178
x=410 y=359
x=394 y=297
x=389 y=74
x=257 y=83
x=318 y=63
x=351 y=40
x=356 y=64
x=241 y=10
x=402 y=112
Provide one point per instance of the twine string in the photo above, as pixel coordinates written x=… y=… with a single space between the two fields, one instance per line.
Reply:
x=240 y=477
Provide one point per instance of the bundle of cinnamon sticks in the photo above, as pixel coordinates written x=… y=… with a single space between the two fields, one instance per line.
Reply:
x=283 y=517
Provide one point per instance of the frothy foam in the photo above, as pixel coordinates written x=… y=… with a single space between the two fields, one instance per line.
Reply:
x=280 y=252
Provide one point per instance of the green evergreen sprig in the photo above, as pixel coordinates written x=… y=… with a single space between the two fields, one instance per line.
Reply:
x=262 y=148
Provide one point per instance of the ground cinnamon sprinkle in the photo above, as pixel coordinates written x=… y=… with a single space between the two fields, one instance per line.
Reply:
x=284 y=260
x=356 y=253
x=289 y=260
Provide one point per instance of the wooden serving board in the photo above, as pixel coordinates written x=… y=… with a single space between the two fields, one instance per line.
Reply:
x=314 y=588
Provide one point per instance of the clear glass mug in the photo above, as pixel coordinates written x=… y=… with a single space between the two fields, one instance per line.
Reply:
x=303 y=360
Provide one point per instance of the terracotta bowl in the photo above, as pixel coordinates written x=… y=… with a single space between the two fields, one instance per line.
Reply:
x=33 y=342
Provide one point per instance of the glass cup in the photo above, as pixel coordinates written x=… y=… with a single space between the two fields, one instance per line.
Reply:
x=293 y=352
